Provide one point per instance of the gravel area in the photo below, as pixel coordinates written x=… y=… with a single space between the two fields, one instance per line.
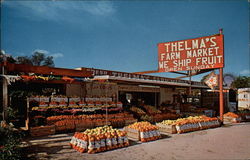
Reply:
x=231 y=141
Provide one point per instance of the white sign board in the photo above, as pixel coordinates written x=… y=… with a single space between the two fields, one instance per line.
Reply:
x=244 y=98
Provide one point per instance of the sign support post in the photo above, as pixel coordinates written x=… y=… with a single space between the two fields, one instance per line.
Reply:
x=221 y=88
x=221 y=94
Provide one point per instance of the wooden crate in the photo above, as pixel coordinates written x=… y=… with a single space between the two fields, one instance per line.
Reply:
x=60 y=128
x=132 y=133
x=80 y=128
x=101 y=123
x=232 y=120
x=83 y=126
x=167 y=128
x=130 y=121
x=245 y=117
x=118 y=124
x=70 y=126
x=42 y=130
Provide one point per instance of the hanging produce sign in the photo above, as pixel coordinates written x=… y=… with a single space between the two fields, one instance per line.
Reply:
x=137 y=88
x=191 y=54
x=212 y=80
x=100 y=89
x=74 y=99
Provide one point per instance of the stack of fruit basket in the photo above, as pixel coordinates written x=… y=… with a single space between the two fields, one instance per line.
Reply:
x=99 y=139
x=143 y=131
x=231 y=117
x=189 y=124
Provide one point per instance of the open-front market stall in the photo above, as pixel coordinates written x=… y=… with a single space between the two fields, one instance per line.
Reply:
x=69 y=100
x=47 y=112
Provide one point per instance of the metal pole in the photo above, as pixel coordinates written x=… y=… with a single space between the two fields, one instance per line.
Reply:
x=221 y=89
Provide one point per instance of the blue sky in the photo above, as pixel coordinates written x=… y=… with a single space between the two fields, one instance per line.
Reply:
x=122 y=35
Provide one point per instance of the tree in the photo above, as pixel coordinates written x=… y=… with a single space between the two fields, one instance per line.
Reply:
x=24 y=60
x=9 y=57
x=37 y=58
x=241 y=82
x=228 y=79
x=49 y=61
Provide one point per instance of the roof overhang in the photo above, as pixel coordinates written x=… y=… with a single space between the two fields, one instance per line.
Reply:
x=146 y=81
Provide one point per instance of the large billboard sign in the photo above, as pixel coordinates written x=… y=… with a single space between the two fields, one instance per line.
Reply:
x=191 y=54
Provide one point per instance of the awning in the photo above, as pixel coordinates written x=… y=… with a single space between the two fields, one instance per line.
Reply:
x=156 y=82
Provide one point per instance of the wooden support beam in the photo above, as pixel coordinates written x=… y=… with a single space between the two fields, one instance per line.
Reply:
x=146 y=72
x=156 y=71
x=180 y=73
x=10 y=67
x=54 y=82
x=196 y=73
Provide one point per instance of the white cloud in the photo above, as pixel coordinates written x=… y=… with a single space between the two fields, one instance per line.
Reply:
x=47 y=53
x=245 y=72
x=55 y=10
x=99 y=8
x=57 y=55
x=41 y=51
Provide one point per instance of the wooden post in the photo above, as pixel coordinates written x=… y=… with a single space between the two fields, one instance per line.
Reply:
x=28 y=115
x=155 y=100
x=190 y=83
x=5 y=98
x=106 y=95
x=221 y=89
x=221 y=95
x=5 y=91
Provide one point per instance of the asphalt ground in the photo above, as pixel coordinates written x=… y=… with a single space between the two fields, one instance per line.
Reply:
x=231 y=141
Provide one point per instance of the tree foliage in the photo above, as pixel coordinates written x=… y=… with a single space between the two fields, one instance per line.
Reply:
x=24 y=60
x=9 y=58
x=48 y=61
x=241 y=82
x=36 y=59
x=10 y=141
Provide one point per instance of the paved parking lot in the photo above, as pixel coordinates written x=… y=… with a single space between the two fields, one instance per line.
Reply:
x=227 y=142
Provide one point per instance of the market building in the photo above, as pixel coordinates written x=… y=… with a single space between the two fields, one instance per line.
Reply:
x=98 y=85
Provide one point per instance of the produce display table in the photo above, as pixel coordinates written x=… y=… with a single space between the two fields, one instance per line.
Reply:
x=183 y=125
x=152 y=114
x=69 y=114
x=42 y=130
